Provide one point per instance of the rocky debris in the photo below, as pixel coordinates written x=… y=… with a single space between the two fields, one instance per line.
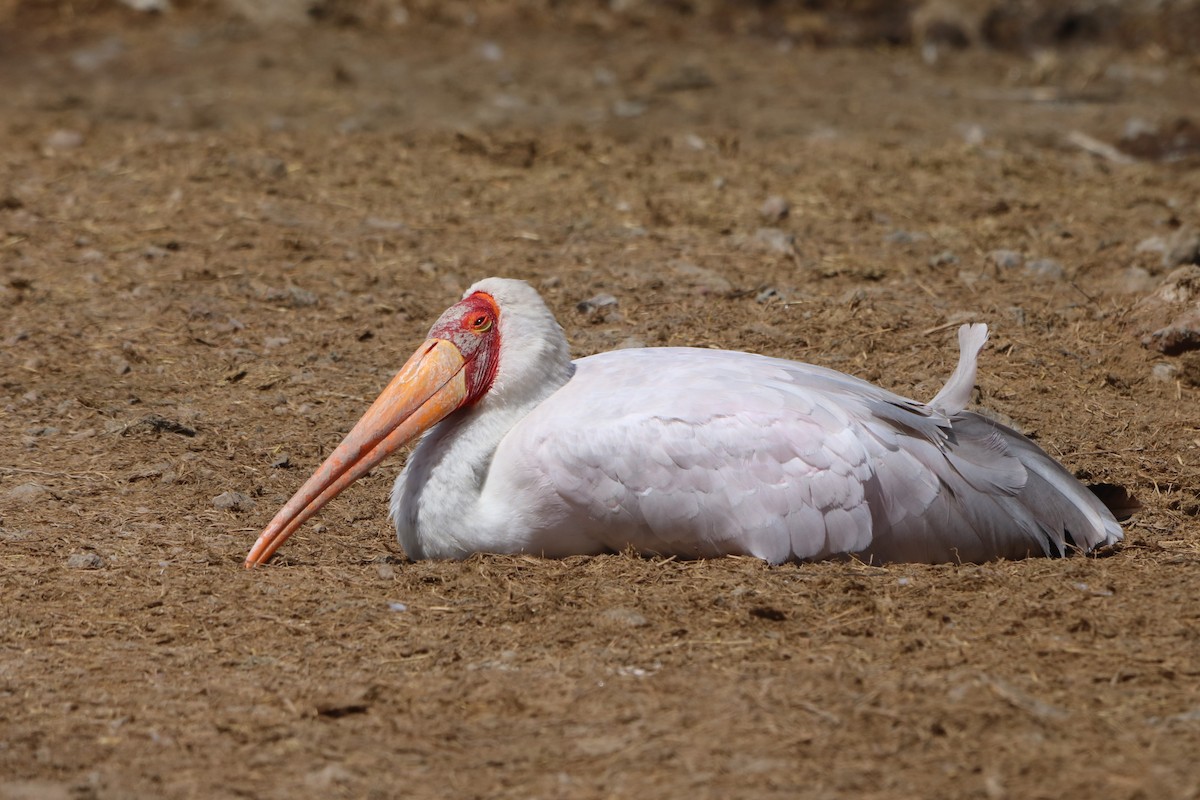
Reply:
x=1045 y=269
x=157 y=424
x=27 y=494
x=162 y=470
x=938 y=25
x=62 y=140
x=768 y=294
x=148 y=6
x=233 y=501
x=973 y=134
x=774 y=209
x=1175 y=142
x=622 y=617
x=595 y=304
x=628 y=109
x=1168 y=320
x=1179 y=248
x=600 y=308
x=1006 y=259
x=775 y=240
x=94 y=57
x=1165 y=371
x=700 y=279
x=84 y=561
x=1135 y=280
x=292 y=296
x=946 y=258
x=687 y=78
x=1183 y=247
x=1182 y=335
x=383 y=224
x=1090 y=144
x=904 y=237
x=490 y=51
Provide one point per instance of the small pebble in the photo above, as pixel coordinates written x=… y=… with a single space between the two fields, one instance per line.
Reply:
x=702 y=279
x=904 y=237
x=627 y=109
x=1046 y=268
x=28 y=493
x=1136 y=280
x=63 y=139
x=90 y=59
x=397 y=607
x=301 y=297
x=973 y=134
x=603 y=76
x=1183 y=247
x=490 y=51
x=292 y=296
x=775 y=240
x=774 y=208
x=84 y=561
x=625 y=617
x=768 y=294
x=378 y=223
x=1167 y=373
x=1153 y=244
x=8 y=535
x=600 y=302
x=1181 y=336
x=944 y=258
x=1005 y=259
x=148 y=6
x=233 y=501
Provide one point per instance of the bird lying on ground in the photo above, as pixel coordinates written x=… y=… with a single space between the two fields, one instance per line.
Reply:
x=691 y=453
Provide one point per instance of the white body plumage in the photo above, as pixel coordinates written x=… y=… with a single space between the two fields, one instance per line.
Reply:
x=699 y=453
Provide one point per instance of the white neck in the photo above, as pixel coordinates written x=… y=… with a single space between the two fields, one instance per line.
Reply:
x=436 y=502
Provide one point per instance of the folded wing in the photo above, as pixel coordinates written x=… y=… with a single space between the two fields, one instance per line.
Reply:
x=704 y=453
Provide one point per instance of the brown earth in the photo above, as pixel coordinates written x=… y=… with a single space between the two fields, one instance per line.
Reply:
x=218 y=241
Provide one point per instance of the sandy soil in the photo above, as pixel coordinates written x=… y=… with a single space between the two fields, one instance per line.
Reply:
x=218 y=241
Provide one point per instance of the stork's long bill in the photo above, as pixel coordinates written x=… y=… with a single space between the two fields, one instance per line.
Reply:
x=451 y=369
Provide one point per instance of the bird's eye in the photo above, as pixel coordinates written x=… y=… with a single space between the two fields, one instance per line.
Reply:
x=481 y=323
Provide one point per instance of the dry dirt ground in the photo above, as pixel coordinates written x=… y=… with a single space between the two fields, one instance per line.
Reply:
x=218 y=241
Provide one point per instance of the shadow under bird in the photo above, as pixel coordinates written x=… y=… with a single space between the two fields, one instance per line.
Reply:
x=689 y=452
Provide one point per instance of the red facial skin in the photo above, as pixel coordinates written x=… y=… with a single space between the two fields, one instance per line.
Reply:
x=472 y=326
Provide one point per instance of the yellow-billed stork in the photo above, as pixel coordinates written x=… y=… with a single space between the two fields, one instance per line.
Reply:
x=688 y=452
